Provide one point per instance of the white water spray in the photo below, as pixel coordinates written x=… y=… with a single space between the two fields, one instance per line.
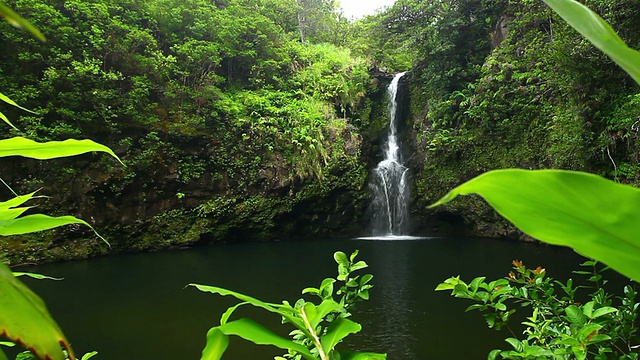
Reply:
x=389 y=183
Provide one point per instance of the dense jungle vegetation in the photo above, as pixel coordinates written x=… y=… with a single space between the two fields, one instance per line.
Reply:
x=252 y=119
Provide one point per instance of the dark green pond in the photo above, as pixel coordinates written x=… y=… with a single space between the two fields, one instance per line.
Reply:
x=133 y=307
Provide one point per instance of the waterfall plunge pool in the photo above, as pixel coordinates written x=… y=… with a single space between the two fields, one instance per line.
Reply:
x=136 y=306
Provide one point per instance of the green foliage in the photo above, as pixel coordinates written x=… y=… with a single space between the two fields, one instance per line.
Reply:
x=593 y=215
x=562 y=324
x=318 y=327
x=18 y=21
x=194 y=95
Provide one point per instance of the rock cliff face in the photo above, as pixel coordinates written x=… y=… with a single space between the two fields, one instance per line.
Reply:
x=441 y=158
x=177 y=191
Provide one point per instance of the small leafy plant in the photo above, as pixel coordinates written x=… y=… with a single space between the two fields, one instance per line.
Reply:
x=560 y=326
x=318 y=326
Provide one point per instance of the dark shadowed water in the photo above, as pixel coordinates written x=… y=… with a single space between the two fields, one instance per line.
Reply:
x=136 y=307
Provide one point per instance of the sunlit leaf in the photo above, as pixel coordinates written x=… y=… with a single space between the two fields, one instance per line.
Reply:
x=9 y=214
x=326 y=307
x=29 y=322
x=89 y=355
x=600 y=33
x=19 y=146
x=39 y=222
x=217 y=343
x=338 y=330
x=604 y=311
x=341 y=258
x=258 y=334
x=16 y=20
x=16 y=201
x=598 y=218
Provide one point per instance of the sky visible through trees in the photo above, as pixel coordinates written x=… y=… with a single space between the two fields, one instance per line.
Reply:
x=359 y=8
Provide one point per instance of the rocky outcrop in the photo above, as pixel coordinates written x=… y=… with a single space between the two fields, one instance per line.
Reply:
x=501 y=30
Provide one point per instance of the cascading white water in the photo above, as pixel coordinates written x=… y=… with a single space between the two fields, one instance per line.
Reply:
x=389 y=180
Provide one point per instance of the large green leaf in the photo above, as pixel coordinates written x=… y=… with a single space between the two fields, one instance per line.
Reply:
x=597 y=217
x=217 y=343
x=338 y=330
x=39 y=222
x=596 y=30
x=11 y=224
x=258 y=334
x=325 y=308
x=19 y=146
x=16 y=201
x=17 y=21
x=28 y=322
x=10 y=214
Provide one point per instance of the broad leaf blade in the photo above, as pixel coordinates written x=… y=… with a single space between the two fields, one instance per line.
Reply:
x=29 y=322
x=595 y=216
x=338 y=330
x=19 y=146
x=325 y=308
x=16 y=201
x=599 y=33
x=10 y=214
x=36 y=222
x=39 y=222
x=217 y=343
x=258 y=334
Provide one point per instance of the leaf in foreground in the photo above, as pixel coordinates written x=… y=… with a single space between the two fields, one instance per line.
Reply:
x=29 y=322
x=39 y=222
x=338 y=330
x=258 y=334
x=19 y=146
x=599 y=33
x=18 y=21
x=597 y=217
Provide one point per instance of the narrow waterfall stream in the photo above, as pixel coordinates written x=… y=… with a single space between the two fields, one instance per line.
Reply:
x=389 y=181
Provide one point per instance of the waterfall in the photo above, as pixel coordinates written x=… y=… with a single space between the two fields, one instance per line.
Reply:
x=389 y=179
